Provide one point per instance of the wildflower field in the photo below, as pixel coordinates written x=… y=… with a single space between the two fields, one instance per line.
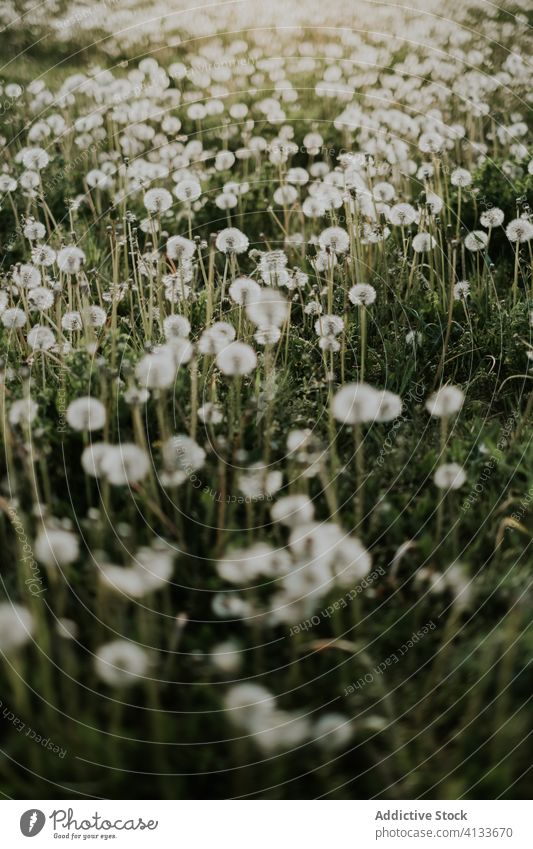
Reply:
x=266 y=313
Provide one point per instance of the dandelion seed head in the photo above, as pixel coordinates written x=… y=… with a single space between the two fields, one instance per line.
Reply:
x=232 y=241
x=14 y=318
x=56 y=547
x=493 y=217
x=121 y=663
x=86 y=413
x=449 y=476
x=356 y=403
x=157 y=201
x=16 y=627
x=70 y=260
x=446 y=401
x=475 y=241
x=362 y=295
x=519 y=230
x=41 y=298
x=125 y=464
x=41 y=338
x=423 y=242
x=236 y=358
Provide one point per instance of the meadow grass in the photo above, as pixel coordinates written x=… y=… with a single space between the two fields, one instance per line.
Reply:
x=233 y=564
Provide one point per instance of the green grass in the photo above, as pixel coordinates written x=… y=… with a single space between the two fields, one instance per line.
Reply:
x=451 y=718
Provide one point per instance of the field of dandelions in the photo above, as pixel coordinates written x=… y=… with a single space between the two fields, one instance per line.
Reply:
x=266 y=302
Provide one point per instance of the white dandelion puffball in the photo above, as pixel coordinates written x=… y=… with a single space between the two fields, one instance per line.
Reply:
x=180 y=248
x=445 y=402
x=226 y=657
x=151 y=570
x=97 y=316
x=390 y=406
x=449 y=476
x=334 y=239
x=27 y=275
x=519 y=230
x=492 y=217
x=403 y=215
x=244 y=290
x=226 y=201
x=157 y=200
x=56 y=547
x=423 y=242
x=35 y=158
x=16 y=626
x=188 y=190
x=42 y=299
x=356 y=403
x=156 y=371
x=329 y=325
x=121 y=664
x=224 y=160
x=7 y=183
x=431 y=142
x=70 y=260
x=293 y=510
x=477 y=240
x=71 y=321
x=43 y=255
x=313 y=207
x=122 y=580
x=181 y=453
x=176 y=326
x=248 y=699
x=362 y=295
x=179 y=349
x=232 y=241
x=125 y=464
x=285 y=195
x=237 y=358
x=461 y=290
x=267 y=308
x=22 y=412
x=332 y=731
x=41 y=338
x=14 y=318
x=461 y=178
x=92 y=457
x=86 y=414
x=257 y=481
x=210 y=413
x=434 y=203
